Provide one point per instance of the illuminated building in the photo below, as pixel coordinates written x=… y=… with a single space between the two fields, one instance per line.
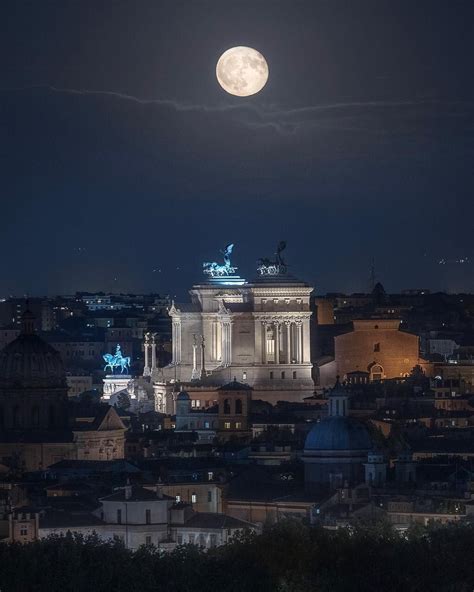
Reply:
x=257 y=332
x=375 y=347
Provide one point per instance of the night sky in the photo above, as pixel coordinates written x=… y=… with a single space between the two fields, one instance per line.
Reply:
x=360 y=146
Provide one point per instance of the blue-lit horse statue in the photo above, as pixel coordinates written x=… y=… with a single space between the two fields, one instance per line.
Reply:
x=116 y=361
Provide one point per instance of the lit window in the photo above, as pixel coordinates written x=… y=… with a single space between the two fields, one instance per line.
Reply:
x=244 y=375
x=178 y=498
x=238 y=425
x=193 y=498
x=227 y=425
x=210 y=476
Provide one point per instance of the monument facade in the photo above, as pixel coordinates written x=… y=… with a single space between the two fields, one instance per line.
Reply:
x=256 y=332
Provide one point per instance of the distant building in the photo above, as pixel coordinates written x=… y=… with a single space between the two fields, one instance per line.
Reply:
x=376 y=347
x=36 y=429
x=336 y=448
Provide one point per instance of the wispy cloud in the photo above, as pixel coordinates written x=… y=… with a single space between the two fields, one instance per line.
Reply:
x=352 y=116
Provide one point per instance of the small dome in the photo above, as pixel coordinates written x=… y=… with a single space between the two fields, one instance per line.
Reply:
x=338 y=433
x=183 y=396
x=30 y=362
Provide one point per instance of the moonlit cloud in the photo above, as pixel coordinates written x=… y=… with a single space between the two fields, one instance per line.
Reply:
x=350 y=116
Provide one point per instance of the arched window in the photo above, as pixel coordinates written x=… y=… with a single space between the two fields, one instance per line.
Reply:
x=227 y=406
x=376 y=373
x=238 y=407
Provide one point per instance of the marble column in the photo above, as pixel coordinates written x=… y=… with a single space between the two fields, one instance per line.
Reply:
x=176 y=342
x=153 y=353
x=194 y=374
x=276 y=325
x=226 y=343
x=264 y=342
x=299 y=345
x=146 y=368
x=288 y=342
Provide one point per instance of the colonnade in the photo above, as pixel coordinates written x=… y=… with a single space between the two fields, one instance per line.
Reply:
x=149 y=346
x=287 y=337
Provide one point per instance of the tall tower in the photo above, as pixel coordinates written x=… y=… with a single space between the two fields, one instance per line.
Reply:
x=234 y=401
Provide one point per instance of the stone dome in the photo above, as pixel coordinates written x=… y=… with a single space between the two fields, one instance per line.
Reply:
x=30 y=362
x=338 y=433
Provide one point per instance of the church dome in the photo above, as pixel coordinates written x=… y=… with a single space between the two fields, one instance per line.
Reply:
x=338 y=433
x=28 y=361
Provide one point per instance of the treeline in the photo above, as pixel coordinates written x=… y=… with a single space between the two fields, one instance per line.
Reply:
x=288 y=557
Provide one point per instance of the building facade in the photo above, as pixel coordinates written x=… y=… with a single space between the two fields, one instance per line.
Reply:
x=256 y=332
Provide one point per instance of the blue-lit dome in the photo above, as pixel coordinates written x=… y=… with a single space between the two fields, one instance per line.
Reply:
x=338 y=433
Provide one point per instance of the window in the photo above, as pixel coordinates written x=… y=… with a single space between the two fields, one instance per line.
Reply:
x=148 y=516
x=206 y=425
x=209 y=496
x=238 y=425
x=148 y=540
x=244 y=375
x=271 y=375
x=376 y=347
x=227 y=425
x=283 y=375
x=294 y=374
x=180 y=539
x=238 y=407
x=213 y=540
x=227 y=406
x=210 y=476
x=23 y=530
x=193 y=498
x=119 y=516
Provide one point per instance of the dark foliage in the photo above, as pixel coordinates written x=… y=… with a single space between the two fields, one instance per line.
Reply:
x=287 y=557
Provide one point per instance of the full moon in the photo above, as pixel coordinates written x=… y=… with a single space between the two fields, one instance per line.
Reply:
x=242 y=71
